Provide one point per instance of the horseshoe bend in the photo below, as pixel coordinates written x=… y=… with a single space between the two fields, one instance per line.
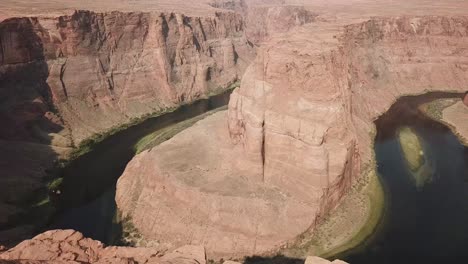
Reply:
x=220 y=131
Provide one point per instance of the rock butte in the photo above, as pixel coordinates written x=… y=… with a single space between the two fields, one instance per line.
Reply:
x=297 y=133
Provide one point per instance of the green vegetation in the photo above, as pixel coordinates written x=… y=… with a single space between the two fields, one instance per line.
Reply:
x=130 y=236
x=412 y=148
x=414 y=156
x=87 y=145
x=55 y=184
x=372 y=187
x=435 y=108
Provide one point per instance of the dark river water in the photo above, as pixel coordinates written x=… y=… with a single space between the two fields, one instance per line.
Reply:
x=428 y=224
x=87 y=201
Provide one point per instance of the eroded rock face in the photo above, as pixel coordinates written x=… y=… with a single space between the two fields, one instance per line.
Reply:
x=264 y=21
x=101 y=69
x=317 y=260
x=65 y=78
x=300 y=125
x=69 y=246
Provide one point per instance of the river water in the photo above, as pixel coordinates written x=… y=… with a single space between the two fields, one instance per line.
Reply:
x=87 y=200
x=425 y=224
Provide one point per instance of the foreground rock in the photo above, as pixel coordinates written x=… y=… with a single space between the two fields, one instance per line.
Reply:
x=299 y=127
x=317 y=260
x=69 y=246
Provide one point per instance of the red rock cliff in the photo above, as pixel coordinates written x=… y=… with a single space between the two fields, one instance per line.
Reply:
x=102 y=69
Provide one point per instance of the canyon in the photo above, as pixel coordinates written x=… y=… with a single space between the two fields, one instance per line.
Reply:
x=297 y=136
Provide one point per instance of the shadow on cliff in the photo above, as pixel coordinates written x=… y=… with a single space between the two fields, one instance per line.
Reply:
x=404 y=112
x=28 y=117
x=278 y=259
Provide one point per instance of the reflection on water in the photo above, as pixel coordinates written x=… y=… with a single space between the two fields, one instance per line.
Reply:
x=87 y=203
x=423 y=223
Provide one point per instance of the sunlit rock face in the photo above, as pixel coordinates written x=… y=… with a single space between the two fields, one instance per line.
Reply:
x=65 y=78
x=300 y=126
x=101 y=69
x=69 y=246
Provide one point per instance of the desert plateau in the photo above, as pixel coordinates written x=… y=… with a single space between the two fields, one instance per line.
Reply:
x=234 y=131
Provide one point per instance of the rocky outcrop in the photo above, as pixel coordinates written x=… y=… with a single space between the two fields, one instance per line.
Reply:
x=317 y=260
x=68 y=246
x=266 y=18
x=300 y=125
x=265 y=21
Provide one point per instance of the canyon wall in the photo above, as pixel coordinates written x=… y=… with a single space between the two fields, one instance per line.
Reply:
x=264 y=19
x=102 y=69
x=66 y=78
x=300 y=127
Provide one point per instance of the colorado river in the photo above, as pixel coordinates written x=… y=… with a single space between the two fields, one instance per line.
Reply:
x=425 y=220
x=87 y=202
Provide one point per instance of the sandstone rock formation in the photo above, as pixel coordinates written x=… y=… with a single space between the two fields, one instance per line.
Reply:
x=68 y=246
x=264 y=21
x=317 y=260
x=300 y=125
x=266 y=18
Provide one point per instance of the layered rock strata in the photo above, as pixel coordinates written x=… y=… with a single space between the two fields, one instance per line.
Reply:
x=66 y=78
x=101 y=69
x=300 y=127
